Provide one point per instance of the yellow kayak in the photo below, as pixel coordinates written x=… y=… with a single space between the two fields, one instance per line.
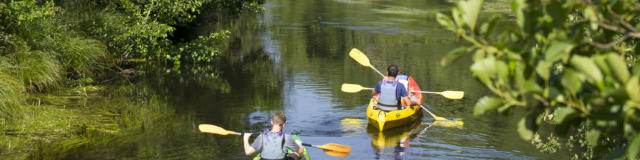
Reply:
x=384 y=120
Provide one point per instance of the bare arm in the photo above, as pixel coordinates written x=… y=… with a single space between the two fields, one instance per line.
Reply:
x=248 y=150
x=407 y=101
x=300 y=150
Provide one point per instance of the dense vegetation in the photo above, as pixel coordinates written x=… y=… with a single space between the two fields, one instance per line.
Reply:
x=571 y=64
x=66 y=46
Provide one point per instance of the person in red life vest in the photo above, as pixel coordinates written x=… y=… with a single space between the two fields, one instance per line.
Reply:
x=411 y=85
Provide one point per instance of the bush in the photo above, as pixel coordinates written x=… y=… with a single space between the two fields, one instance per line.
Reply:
x=570 y=59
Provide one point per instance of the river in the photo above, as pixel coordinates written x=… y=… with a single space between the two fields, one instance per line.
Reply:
x=294 y=58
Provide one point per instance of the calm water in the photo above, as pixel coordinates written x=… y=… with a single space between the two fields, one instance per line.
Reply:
x=294 y=59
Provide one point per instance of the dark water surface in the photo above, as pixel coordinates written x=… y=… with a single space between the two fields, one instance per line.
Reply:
x=293 y=58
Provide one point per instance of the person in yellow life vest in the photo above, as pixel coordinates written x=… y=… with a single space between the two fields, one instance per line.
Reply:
x=273 y=144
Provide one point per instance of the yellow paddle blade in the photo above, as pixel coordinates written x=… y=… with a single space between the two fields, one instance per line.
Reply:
x=354 y=121
x=352 y=88
x=208 y=128
x=440 y=119
x=336 y=154
x=449 y=123
x=336 y=147
x=359 y=57
x=453 y=94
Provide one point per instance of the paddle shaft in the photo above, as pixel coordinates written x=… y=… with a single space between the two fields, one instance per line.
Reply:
x=309 y=145
x=425 y=108
x=380 y=73
x=430 y=92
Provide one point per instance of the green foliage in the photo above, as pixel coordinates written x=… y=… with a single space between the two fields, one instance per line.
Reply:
x=550 y=145
x=574 y=59
x=169 y=12
x=205 y=48
x=139 y=29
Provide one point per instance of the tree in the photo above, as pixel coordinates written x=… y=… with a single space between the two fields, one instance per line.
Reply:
x=572 y=64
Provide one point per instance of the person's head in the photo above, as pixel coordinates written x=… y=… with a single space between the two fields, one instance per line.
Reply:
x=278 y=118
x=392 y=70
x=401 y=72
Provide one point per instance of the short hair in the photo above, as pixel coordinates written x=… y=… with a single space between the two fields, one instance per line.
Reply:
x=279 y=118
x=392 y=70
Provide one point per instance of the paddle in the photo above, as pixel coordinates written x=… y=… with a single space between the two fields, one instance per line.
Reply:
x=433 y=115
x=439 y=121
x=353 y=88
x=363 y=59
x=447 y=94
x=331 y=149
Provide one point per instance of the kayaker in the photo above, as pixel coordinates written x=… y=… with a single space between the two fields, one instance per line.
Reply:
x=390 y=92
x=409 y=84
x=273 y=144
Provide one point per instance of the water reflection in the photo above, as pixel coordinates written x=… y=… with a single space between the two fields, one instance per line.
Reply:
x=393 y=143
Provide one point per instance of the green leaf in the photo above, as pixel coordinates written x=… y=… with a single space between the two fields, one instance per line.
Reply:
x=563 y=114
x=558 y=50
x=532 y=87
x=479 y=55
x=487 y=28
x=543 y=69
x=592 y=137
x=489 y=68
x=517 y=7
x=587 y=66
x=602 y=64
x=455 y=13
x=633 y=89
x=634 y=147
x=526 y=127
x=485 y=104
x=453 y=55
x=572 y=81
x=590 y=14
x=470 y=9
x=618 y=66
x=445 y=21
x=518 y=70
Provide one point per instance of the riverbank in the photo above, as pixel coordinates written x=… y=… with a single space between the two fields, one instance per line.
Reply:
x=59 y=61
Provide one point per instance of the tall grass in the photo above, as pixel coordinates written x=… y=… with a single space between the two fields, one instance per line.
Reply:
x=82 y=57
x=11 y=95
x=38 y=70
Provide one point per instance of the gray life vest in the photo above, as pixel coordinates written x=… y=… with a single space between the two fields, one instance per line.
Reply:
x=273 y=145
x=404 y=79
x=388 y=94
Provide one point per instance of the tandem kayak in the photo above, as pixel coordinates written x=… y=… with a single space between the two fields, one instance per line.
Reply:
x=384 y=120
x=304 y=156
